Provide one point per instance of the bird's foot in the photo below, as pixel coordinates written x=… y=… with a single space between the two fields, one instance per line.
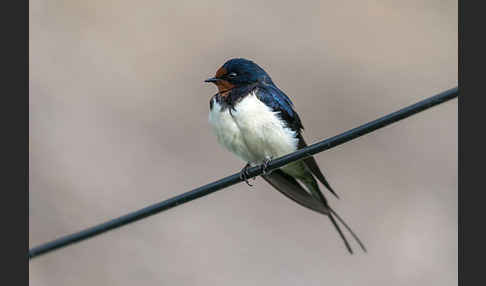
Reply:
x=265 y=165
x=244 y=174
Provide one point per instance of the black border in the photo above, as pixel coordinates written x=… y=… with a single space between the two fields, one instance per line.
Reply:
x=471 y=141
x=15 y=86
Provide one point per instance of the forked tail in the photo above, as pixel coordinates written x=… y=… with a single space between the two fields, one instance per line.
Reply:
x=332 y=212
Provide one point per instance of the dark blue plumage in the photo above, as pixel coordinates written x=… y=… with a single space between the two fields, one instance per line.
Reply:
x=252 y=77
x=273 y=97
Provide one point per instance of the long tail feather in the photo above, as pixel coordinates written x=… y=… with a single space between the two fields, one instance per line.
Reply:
x=349 y=229
x=341 y=233
x=289 y=187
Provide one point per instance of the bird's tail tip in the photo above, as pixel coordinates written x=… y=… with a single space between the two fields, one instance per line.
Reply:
x=333 y=214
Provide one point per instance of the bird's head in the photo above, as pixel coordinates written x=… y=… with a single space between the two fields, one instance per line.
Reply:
x=237 y=73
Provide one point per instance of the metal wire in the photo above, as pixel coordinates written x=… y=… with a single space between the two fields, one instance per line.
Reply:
x=252 y=172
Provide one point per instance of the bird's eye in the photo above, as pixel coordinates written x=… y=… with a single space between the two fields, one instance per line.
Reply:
x=233 y=74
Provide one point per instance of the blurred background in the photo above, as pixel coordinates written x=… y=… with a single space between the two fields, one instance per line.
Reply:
x=118 y=121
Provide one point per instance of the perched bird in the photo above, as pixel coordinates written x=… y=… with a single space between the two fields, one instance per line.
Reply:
x=257 y=122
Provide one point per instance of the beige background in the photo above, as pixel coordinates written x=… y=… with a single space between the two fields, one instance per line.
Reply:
x=118 y=120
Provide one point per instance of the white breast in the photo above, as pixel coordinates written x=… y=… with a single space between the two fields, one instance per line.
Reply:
x=252 y=130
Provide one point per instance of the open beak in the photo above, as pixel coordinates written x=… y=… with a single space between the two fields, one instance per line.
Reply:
x=213 y=80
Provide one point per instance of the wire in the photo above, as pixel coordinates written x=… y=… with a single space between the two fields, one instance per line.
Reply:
x=252 y=172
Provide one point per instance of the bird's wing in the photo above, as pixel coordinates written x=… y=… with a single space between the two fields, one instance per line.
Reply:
x=289 y=187
x=311 y=163
x=278 y=101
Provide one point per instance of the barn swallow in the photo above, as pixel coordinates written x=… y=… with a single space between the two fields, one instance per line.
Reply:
x=255 y=120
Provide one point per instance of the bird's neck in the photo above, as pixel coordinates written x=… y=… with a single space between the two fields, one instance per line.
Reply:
x=235 y=95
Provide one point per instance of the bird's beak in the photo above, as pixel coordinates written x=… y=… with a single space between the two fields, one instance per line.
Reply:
x=213 y=80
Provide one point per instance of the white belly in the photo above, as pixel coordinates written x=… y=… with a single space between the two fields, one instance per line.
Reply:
x=252 y=130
